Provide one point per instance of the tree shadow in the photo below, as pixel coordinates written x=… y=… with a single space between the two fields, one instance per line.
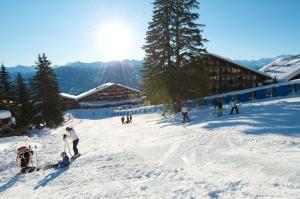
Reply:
x=281 y=118
x=9 y=183
x=51 y=177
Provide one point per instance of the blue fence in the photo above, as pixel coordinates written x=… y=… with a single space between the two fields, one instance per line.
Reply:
x=140 y=110
x=275 y=90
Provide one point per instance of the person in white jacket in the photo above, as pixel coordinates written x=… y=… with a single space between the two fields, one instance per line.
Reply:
x=70 y=132
x=234 y=106
x=184 y=111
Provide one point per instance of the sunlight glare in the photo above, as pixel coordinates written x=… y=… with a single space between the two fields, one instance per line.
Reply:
x=115 y=41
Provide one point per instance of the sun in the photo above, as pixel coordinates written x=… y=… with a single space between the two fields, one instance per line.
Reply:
x=115 y=41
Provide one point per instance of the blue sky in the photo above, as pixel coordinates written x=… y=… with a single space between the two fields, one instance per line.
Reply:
x=69 y=30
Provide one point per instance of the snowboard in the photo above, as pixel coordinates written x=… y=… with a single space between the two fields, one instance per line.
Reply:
x=75 y=157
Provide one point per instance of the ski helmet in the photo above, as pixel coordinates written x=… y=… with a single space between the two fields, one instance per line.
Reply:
x=63 y=154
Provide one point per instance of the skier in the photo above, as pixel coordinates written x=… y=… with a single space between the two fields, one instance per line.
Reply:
x=123 y=120
x=70 y=132
x=184 y=111
x=127 y=120
x=24 y=158
x=220 y=107
x=61 y=163
x=233 y=106
x=130 y=118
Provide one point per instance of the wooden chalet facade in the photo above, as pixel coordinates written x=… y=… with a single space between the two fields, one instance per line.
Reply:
x=226 y=76
x=106 y=95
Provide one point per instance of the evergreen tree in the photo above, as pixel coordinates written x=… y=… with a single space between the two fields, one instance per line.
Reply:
x=46 y=95
x=174 y=48
x=6 y=89
x=25 y=113
x=189 y=44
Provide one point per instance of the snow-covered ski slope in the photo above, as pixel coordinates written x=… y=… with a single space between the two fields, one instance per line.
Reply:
x=252 y=155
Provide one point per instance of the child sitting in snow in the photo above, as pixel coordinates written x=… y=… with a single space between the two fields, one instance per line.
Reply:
x=61 y=163
x=65 y=160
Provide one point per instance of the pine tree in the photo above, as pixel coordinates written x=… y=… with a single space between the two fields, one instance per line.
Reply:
x=174 y=47
x=6 y=89
x=189 y=43
x=46 y=95
x=25 y=112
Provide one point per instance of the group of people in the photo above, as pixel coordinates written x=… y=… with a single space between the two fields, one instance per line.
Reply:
x=25 y=154
x=233 y=105
x=128 y=119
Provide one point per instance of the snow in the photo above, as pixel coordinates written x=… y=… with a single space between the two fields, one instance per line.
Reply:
x=283 y=68
x=255 y=154
x=4 y=114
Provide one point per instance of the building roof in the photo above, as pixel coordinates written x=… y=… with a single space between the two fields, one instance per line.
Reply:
x=95 y=90
x=4 y=114
x=240 y=65
x=284 y=69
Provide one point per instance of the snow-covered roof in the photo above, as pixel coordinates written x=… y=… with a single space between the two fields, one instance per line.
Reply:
x=4 y=114
x=240 y=65
x=283 y=69
x=94 y=90
x=65 y=95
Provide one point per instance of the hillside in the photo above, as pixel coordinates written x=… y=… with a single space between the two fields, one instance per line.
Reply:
x=251 y=155
x=79 y=77
x=283 y=68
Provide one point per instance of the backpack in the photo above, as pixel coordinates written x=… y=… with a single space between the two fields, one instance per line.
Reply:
x=24 y=156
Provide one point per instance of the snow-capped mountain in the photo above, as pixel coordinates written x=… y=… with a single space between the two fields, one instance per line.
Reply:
x=257 y=64
x=283 y=69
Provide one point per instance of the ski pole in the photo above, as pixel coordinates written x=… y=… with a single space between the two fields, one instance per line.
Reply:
x=30 y=156
x=69 y=148
x=37 y=161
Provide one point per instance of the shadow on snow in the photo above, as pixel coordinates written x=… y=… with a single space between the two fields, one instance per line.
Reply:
x=280 y=118
x=9 y=183
x=51 y=177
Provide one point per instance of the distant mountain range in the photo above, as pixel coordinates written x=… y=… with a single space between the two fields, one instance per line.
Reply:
x=78 y=77
x=258 y=64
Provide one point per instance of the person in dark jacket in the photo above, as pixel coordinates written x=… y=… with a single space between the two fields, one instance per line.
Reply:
x=123 y=120
x=220 y=107
x=26 y=159
x=61 y=163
